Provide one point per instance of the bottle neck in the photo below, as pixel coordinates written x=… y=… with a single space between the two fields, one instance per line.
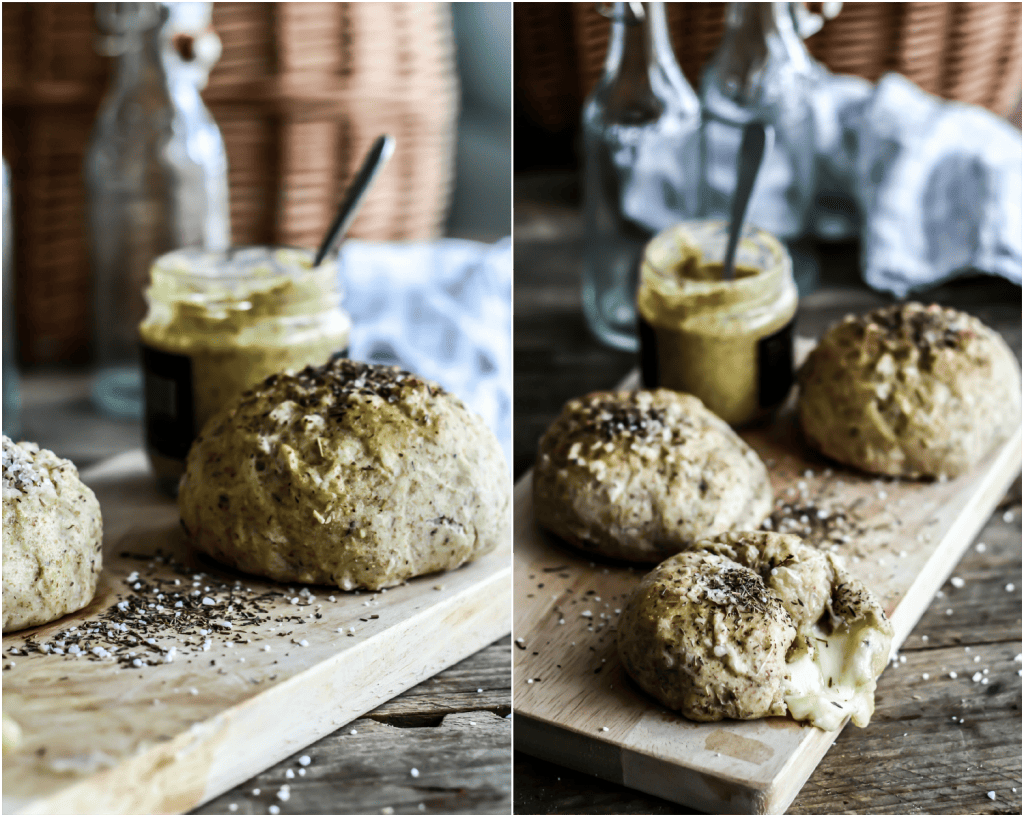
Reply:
x=639 y=40
x=149 y=64
x=641 y=73
x=140 y=64
x=759 y=39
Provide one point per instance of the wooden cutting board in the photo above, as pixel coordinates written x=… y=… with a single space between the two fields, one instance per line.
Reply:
x=575 y=705
x=99 y=737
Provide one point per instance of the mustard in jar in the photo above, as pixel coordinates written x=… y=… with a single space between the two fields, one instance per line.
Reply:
x=730 y=343
x=221 y=322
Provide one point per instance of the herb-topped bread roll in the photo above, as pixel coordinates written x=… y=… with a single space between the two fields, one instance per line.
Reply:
x=52 y=537
x=641 y=475
x=346 y=474
x=909 y=390
x=753 y=624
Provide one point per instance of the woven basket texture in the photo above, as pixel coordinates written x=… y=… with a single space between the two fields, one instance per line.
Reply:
x=300 y=92
x=970 y=52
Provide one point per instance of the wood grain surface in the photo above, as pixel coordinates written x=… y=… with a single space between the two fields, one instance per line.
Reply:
x=913 y=758
x=102 y=736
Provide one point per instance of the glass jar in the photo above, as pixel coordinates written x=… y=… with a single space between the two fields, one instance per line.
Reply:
x=220 y=322
x=730 y=343
x=637 y=124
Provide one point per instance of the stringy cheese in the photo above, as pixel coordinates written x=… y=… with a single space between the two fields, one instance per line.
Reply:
x=835 y=676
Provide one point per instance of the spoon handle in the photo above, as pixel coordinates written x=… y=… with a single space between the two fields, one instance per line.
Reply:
x=378 y=156
x=752 y=150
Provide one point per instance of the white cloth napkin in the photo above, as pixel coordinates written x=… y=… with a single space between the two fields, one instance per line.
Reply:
x=937 y=184
x=440 y=309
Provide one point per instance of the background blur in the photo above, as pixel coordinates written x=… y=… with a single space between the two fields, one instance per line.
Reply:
x=299 y=93
x=970 y=52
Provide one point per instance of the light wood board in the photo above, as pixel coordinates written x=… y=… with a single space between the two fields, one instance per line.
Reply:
x=102 y=738
x=574 y=704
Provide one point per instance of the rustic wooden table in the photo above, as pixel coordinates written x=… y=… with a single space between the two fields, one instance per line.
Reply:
x=451 y=728
x=936 y=744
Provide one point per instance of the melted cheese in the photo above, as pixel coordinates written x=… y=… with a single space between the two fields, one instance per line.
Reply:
x=834 y=676
x=11 y=734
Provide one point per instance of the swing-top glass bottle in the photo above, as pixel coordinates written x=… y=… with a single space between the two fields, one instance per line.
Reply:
x=156 y=175
x=637 y=124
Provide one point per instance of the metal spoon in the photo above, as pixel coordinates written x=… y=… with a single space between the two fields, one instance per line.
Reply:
x=378 y=156
x=753 y=146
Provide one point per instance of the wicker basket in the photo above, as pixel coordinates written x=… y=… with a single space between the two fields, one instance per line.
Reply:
x=300 y=92
x=969 y=52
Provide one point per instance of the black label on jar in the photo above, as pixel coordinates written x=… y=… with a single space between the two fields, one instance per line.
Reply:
x=775 y=366
x=170 y=423
x=648 y=354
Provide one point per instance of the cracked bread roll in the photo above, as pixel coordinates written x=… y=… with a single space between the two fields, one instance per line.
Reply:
x=52 y=537
x=909 y=391
x=747 y=625
x=347 y=474
x=642 y=475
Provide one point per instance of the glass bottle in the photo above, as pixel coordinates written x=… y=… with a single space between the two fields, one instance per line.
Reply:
x=636 y=126
x=11 y=379
x=156 y=175
x=763 y=72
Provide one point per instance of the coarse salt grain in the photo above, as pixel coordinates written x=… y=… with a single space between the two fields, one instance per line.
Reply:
x=304 y=760
x=957 y=582
x=414 y=772
x=289 y=774
x=1009 y=588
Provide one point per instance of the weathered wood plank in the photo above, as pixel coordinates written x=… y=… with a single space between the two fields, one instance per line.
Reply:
x=445 y=769
x=463 y=754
